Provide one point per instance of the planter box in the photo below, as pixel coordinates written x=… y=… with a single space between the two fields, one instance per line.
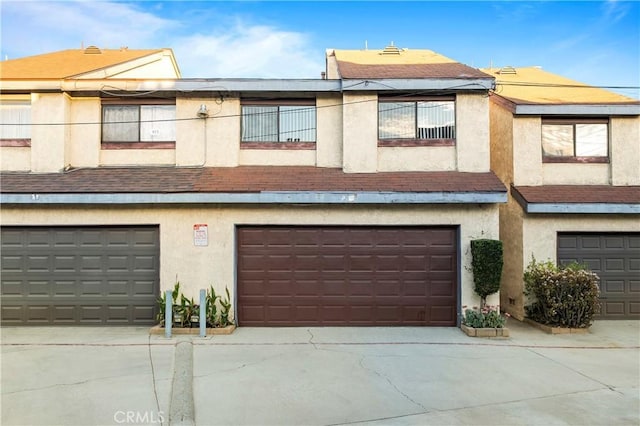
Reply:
x=157 y=329
x=549 y=329
x=484 y=332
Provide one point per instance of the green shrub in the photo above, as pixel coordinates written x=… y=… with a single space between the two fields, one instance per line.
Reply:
x=563 y=297
x=186 y=312
x=486 y=263
x=487 y=317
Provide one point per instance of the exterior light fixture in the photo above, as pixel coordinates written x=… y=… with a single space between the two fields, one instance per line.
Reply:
x=203 y=112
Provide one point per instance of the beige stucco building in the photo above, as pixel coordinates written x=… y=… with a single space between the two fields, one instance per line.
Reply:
x=348 y=200
x=570 y=155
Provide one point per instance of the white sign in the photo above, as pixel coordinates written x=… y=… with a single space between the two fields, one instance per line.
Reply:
x=200 y=234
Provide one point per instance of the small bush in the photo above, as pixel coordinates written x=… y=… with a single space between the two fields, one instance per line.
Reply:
x=563 y=297
x=487 y=317
x=486 y=262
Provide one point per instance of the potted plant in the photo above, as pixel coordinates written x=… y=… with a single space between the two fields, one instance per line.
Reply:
x=486 y=263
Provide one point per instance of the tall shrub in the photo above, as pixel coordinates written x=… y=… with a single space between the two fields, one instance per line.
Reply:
x=486 y=262
x=564 y=297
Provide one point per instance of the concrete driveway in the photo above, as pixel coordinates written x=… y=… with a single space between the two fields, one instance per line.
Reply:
x=321 y=376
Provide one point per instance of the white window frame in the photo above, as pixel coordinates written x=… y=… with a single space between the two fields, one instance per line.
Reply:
x=16 y=120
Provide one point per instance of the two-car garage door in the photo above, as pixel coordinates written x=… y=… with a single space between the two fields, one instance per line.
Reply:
x=306 y=276
x=80 y=275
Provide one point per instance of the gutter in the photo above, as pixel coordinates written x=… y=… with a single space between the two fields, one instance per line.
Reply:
x=267 y=197
x=248 y=85
x=582 y=208
x=601 y=109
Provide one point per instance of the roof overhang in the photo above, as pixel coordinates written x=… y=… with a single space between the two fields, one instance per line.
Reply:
x=578 y=109
x=202 y=86
x=439 y=84
x=265 y=197
x=582 y=208
x=534 y=203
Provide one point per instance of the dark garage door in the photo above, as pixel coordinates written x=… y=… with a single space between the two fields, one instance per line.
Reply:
x=616 y=260
x=303 y=276
x=79 y=275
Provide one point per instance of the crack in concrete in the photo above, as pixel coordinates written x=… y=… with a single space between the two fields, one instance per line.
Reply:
x=610 y=387
x=382 y=376
x=311 y=339
x=81 y=382
x=451 y=410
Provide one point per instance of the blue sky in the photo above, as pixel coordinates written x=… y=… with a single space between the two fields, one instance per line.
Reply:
x=594 y=42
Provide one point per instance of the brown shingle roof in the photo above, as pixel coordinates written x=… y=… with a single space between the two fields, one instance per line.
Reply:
x=560 y=194
x=442 y=70
x=67 y=63
x=243 y=179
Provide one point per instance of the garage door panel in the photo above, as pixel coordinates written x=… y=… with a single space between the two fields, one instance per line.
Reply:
x=344 y=276
x=64 y=288
x=79 y=275
x=614 y=242
x=612 y=286
x=615 y=257
x=614 y=265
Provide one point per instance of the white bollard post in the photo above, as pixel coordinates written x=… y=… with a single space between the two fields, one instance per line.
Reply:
x=203 y=317
x=168 y=314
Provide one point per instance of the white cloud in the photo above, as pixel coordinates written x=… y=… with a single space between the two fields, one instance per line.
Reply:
x=235 y=49
x=241 y=50
x=615 y=11
x=30 y=28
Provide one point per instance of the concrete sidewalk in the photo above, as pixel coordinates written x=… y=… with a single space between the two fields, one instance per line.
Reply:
x=322 y=376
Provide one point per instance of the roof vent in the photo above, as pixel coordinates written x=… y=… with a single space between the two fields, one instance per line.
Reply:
x=507 y=70
x=391 y=50
x=92 y=50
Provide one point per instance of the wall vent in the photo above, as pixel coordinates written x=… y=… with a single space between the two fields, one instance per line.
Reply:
x=92 y=50
x=391 y=50
x=507 y=70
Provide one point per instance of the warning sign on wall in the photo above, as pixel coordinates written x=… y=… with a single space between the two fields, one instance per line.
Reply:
x=200 y=234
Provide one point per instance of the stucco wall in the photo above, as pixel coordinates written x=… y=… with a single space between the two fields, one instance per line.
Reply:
x=277 y=157
x=48 y=142
x=625 y=150
x=624 y=159
x=199 y=267
x=137 y=157
x=15 y=159
x=575 y=174
x=501 y=137
x=527 y=151
x=83 y=146
x=424 y=158
x=511 y=297
x=472 y=132
x=360 y=134
x=329 y=131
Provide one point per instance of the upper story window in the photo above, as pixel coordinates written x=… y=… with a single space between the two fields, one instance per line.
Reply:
x=148 y=125
x=16 y=123
x=279 y=124
x=571 y=140
x=409 y=121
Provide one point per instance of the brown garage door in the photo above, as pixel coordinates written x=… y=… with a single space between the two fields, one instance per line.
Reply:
x=79 y=275
x=304 y=276
x=616 y=260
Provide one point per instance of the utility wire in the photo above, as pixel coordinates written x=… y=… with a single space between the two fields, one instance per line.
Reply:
x=448 y=90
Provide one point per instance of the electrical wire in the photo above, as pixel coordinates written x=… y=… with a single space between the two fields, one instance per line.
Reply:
x=448 y=90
